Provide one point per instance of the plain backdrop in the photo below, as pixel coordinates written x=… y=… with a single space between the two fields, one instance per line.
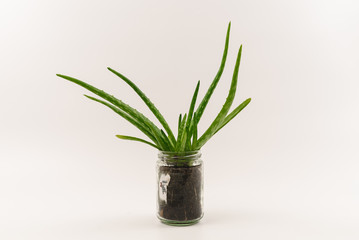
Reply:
x=285 y=168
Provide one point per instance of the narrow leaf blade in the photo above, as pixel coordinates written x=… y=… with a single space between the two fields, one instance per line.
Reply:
x=118 y=103
x=222 y=114
x=215 y=81
x=190 y=114
x=148 y=102
x=233 y=114
x=195 y=132
x=180 y=133
x=136 y=139
x=179 y=122
x=143 y=128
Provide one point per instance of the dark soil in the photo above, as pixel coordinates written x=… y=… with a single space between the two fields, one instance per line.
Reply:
x=184 y=193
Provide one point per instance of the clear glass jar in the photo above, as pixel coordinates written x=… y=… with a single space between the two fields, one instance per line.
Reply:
x=180 y=187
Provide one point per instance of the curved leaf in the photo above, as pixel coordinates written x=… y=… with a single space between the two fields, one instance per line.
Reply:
x=215 y=81
x=136 y=139
x=195 y=131
x=180 y=134
x=133 y=121
x=222 y=114
x=148 y=102
x=190 y=115
x=118 y=103
x=233 y=114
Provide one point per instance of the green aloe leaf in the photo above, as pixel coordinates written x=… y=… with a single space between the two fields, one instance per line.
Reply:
x=190 y=114
x=195 y=131
x=166 y=143
x=215 y=81
x=118 y=103
x=179 y=122
x=180 y=134
x=148 y=102
x=233 y=114
x=222 y=114
x=137 y=139
x=133 y=121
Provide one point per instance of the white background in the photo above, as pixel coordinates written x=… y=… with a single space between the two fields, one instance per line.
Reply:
x=285 y=168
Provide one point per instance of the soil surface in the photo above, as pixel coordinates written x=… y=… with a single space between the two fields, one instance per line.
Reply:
x=184 y=193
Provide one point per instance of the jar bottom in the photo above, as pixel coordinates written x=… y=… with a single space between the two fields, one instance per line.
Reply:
x=179 y=223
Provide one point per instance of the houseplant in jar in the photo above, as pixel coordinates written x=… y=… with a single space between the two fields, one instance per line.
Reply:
x=179 y=165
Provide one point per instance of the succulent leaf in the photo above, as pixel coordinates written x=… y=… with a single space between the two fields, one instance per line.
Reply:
x=143 y=128
x=233 y=114
x=136 y=139
x=187 y=135
x=215 y=81
x=149 y=104
x=222 y=114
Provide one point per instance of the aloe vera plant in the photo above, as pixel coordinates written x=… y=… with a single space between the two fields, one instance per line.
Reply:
x=188 y=138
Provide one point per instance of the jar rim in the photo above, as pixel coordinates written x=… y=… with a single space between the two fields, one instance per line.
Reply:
x=179 y=156
x=180 y=153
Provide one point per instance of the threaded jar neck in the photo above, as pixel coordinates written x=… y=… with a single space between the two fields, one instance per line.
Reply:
x=191 y=158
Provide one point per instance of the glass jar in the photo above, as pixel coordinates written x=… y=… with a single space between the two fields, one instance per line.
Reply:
x=180 y=187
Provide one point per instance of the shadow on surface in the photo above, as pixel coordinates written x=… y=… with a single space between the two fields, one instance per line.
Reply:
x=217 y=217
